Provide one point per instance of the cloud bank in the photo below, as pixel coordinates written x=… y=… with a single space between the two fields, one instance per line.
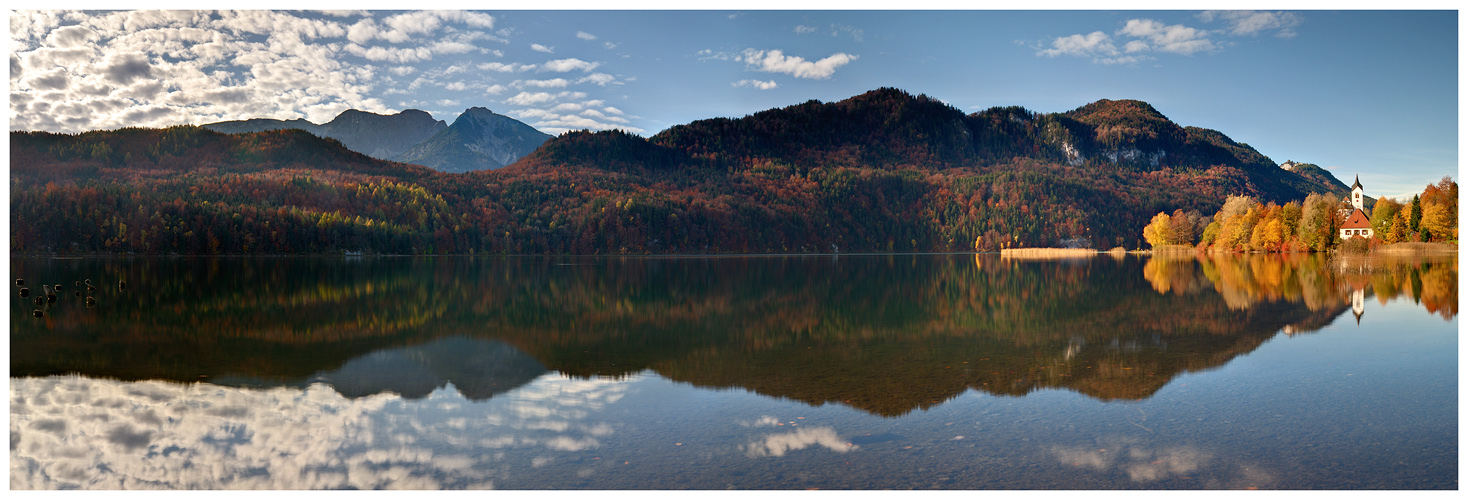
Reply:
x=1140 y=39
x=78 y=71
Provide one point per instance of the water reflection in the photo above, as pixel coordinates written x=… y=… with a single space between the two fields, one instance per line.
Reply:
x=78 y=432
x=777 y=445
x=1140 y=463
x=1319 y=282
x=478 y=369
x=885 y=334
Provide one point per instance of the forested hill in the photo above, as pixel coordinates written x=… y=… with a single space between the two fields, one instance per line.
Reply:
x=882 y=171
x=891 y=129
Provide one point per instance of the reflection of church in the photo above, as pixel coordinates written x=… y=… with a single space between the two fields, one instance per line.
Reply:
x=1358 y=223
x=1358 y=303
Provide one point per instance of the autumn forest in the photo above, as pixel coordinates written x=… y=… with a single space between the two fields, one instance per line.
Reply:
x=885 y=171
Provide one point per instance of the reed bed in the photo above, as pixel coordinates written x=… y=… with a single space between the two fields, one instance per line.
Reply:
x=1046 y=253
x=1188 y=249
x=1412 y=248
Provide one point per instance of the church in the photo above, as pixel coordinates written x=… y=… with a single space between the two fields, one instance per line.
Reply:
x=1358 y=223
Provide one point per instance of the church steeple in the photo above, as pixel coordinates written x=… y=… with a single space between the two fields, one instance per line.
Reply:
x=1357 y=198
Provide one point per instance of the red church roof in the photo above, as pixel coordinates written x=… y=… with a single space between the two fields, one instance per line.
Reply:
x=1357 y=220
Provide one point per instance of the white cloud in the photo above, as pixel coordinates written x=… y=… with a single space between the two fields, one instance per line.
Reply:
x=71 y=36
x=363 y=31
x=165 y=68
x=1175 y=38
x=1251 y=23
x=567 y=111
x=1139 y=36
x=411 y=26
x=345 y=13
x=775 y=61
x=534 y=98
x=505 y=68
x=756 y=84
x=552 y=83
x=453 y=47
x=599 y=79
x=541 y=48
x=565 y=65
x=854 y=32
x=802 y=29
x=77 y=71
x=1081 y=45
x=391 y=54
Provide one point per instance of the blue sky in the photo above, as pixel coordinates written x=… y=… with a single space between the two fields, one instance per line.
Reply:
x=1359 y=92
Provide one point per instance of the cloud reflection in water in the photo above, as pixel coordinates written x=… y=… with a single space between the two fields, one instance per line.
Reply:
x=1141 y=464
x=777 y=445
x=1145 y=464
x=77 y=432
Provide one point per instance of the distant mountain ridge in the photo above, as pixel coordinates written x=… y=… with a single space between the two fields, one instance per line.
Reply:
x=379 y=136
x=478 y=140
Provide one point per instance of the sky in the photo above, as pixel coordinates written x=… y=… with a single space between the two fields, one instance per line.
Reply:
x=1368 y=93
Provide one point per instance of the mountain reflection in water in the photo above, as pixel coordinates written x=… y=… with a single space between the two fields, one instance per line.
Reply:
x=884 y=334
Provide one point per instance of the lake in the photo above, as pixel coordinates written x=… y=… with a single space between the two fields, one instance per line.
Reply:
x=748 y=372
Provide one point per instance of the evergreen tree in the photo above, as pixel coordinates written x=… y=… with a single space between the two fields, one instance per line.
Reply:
x=1415 y=216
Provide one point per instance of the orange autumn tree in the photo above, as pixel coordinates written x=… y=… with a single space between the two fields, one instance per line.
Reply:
x=1439 y=211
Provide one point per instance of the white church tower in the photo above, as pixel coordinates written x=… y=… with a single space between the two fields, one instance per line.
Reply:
x=1357 y=199
x=1357 y=223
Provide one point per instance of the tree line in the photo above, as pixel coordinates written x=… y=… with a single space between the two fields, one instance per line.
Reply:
x=1245 y=224
x=880 y=172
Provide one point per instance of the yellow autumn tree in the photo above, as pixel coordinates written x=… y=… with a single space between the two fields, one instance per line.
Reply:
x=1267 y=235
x=1436 y=221
x=1236 y=232
x=1159 y=231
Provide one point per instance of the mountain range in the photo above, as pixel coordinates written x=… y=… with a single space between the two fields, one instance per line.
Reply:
x=882 y=171
x=479 y=139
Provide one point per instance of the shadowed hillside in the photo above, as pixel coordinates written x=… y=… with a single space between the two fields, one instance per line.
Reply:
x=884 y=171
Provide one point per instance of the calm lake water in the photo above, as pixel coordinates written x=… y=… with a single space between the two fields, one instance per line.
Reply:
x=761 y=372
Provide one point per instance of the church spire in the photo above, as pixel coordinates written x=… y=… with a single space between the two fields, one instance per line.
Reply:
x=1357 y=197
